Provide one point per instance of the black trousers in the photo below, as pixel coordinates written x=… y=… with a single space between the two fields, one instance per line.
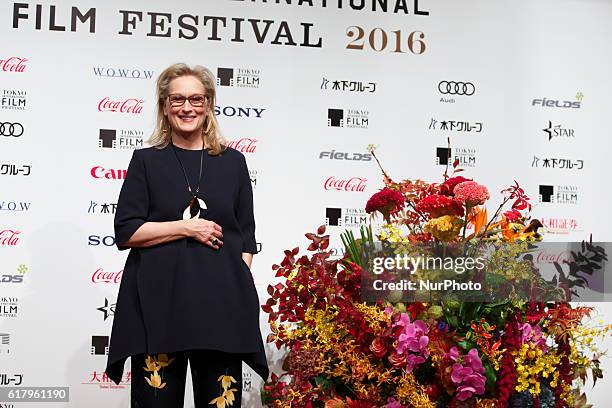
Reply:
x=165 y=387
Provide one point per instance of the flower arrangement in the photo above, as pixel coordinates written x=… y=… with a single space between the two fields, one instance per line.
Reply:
x=344 y=352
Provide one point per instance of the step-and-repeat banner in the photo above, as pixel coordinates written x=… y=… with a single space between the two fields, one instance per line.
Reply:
x=521 y=89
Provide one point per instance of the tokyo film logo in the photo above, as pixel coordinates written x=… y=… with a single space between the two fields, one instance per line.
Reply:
x=239 y=77
x=349 y=118
x=558 y=194
x=126 y=139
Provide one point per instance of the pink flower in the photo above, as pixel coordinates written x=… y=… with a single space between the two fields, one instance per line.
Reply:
x=533 y=334
x=393 y=403
x=470 y=193
x=412 y=341
x=412 y=361
x=473 y=360
x=468 y=375
x=453 y=354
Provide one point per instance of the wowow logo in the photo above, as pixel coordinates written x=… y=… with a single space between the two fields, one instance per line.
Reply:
x=111 y=72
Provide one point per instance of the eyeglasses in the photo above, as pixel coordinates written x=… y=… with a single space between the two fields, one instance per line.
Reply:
x=197 y=101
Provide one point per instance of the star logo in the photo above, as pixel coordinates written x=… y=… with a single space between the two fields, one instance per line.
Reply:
x=108 y=309
x=549 y=130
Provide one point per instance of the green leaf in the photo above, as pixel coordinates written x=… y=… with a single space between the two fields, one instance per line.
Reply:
x=490 y=376
x=323 y=382
x=466 y=345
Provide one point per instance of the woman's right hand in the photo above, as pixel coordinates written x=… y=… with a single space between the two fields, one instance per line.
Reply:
x=205 y=232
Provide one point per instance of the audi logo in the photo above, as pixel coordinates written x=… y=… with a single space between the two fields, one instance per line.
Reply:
x=11 y=129
x=456 y=88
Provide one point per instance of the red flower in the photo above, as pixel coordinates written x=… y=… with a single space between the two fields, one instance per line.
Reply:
x=414 y=309
x=448 y=186
x=387 y=201
x=437 y=205
x=521 y=201
x=378 y=347
x=358 y=403
x=397 y=360
x=512 y=215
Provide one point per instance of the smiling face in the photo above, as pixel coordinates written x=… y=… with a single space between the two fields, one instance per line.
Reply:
x=186 y=119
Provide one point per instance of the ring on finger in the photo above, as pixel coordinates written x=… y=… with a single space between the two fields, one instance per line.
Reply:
x=215 y=242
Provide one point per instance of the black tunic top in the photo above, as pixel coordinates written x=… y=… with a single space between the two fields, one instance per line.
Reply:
x=184 y=295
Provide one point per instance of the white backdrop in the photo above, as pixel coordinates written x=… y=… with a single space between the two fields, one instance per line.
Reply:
x=56 y=217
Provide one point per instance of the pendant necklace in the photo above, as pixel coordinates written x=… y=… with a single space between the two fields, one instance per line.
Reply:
x=195 y=204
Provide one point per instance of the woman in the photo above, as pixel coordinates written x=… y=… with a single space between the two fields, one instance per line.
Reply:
x=187 y=294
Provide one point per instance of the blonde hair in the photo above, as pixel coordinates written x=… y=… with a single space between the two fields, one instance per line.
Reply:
x=162 y=135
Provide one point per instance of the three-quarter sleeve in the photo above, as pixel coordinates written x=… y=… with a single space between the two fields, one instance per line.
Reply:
x=133 y=205
x=246 y=218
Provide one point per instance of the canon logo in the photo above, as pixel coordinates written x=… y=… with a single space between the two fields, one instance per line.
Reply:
x=99 y=172
x=244 y=145
x=357 y=184
x=131 y=105
x=13 y=64
x=100 y=276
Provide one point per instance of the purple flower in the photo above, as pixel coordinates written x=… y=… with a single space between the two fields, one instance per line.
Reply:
x=443 y=327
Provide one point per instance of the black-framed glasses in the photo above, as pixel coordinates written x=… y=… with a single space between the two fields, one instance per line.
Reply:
x=197 y=100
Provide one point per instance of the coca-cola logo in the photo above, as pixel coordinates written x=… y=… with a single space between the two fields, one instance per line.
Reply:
x=548 y=257
x=102 y=276
x=9 y=237
x=13 y=64
x=243 y=145
x=352 y=184
x=131 y=105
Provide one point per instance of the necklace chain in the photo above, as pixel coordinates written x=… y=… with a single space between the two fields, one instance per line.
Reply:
x=185 y=172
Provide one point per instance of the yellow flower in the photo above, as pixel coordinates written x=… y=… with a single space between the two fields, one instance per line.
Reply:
x=229 y=396
x=226 y=381
x=219 y=401
x=151 y=364
x=155 y=381
x=444 y=228
x=156 y=363
x=163 y=361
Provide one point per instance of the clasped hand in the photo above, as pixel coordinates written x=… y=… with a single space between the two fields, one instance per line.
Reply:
x=206 y=232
